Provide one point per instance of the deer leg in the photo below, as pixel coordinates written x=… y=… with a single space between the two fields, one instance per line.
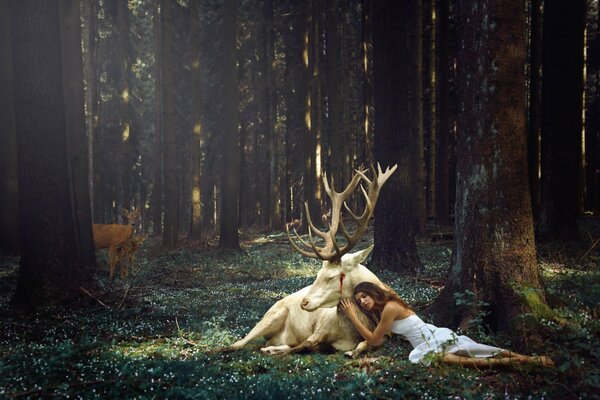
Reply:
x=129 y=263
x=112 y=260
x=270 y=324
x=309 y=344
x=124 y=259
x=282 y=349
x=362 y=346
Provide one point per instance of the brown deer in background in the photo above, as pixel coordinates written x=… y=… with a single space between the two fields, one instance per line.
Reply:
x=310 y=318
x=116 y=238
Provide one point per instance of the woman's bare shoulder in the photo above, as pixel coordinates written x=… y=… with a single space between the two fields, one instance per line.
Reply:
x=399 y=311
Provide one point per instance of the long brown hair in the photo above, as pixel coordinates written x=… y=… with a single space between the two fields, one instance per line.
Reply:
x=380 y=298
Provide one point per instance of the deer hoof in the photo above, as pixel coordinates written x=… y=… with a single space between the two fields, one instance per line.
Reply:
x=277 y=350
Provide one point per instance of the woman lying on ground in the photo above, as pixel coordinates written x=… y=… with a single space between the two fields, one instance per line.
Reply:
x=395 y=315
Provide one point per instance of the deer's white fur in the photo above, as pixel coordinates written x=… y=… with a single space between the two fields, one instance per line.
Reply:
x=310 y=318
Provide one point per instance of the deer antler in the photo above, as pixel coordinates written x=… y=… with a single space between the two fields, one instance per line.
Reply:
x=331 y=251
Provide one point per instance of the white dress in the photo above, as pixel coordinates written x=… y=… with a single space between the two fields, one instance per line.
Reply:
x=427 y=338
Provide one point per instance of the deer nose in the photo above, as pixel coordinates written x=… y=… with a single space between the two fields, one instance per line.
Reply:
x=304 y=304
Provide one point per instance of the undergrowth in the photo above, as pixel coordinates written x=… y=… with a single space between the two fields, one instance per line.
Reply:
x=153 y=335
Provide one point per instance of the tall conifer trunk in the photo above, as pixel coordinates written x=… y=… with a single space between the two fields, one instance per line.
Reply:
x=396 y=132
x=9 y=196
x=170 y=187
x=562 y=93
x=49 y=265
x=494 y=250
x=230 y=168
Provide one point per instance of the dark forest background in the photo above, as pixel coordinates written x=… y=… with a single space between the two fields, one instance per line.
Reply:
x=217 y=121
x=219 y=117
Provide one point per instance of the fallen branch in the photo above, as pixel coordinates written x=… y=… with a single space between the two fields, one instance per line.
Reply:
x=95 y=298
x=124 y=296
x=590 y=249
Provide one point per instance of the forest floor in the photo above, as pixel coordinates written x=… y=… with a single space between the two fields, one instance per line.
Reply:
x=151 y=334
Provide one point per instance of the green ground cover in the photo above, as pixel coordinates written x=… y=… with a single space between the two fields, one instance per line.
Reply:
x=151 y=335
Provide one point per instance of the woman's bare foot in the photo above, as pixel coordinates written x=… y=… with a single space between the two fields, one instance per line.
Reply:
x=542 y=360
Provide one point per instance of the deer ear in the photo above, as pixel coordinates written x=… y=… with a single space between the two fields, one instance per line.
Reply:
x=356 y=258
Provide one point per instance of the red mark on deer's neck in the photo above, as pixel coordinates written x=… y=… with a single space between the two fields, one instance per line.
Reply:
x=342 y=276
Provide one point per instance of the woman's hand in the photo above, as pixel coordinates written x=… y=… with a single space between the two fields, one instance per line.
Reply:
x=349 y=307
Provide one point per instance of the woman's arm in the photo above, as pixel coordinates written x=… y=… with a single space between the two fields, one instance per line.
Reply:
x=374 y=338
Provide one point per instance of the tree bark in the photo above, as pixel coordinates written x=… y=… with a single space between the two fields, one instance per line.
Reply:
x=311 y=80
x=367 y=54
x=419 y=160
x=396 y=102
x=157 y=192
x=126 y=149
x=494 y=253
x=9 y=187
x=562 y=94
x=274 y=191
x=296 y=109
x=196 y=220
x=592 y=111
x=230 y=168
x=535 y=96
x=49 y=266
x=77 y=140
x=170 y=187
x=334 y=102
x=442 y=164
x=89 y=75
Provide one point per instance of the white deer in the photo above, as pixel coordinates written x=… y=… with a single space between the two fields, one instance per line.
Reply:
x=309 y=318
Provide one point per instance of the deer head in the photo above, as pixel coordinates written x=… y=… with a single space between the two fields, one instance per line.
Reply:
x=338 y=263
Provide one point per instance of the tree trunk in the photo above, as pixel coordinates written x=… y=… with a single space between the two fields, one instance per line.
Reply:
x=442 y=164
x=494 y=253
x=562 y=94
x=196 y=221
x=310 y=73
x=274 y=191
x=367 y=53
x=49 y=266
x=170 y=187
x=124 y=86
x=9 y=187
x=230 y=167
x=157 y=192
x=592 y=111
x=419 y=159
x=429 y=93
x=77 y=140
x=396 y=81
x=334 y=102
x=296 y=108
x=535 y=95
x=89 y=75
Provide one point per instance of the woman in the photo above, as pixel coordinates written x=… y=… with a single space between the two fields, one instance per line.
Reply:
x=392 y=313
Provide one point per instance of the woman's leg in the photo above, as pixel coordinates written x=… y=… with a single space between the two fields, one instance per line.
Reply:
x=504 y=358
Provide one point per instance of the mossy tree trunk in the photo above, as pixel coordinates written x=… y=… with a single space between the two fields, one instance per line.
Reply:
x=494 y=250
